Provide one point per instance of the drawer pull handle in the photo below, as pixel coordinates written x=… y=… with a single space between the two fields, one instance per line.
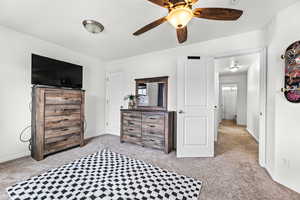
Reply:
x=130 y=123
x=153 y=118
x=65 y=129
x=152 y=126
x=57 y=122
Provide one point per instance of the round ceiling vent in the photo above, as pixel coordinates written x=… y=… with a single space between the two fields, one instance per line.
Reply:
x=93 y=26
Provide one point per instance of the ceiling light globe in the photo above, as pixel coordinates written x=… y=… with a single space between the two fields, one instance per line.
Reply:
x=180 y=17
x=234 y=69
x=93 y=26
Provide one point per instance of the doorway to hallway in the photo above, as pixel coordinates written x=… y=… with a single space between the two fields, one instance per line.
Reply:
x=248 y=70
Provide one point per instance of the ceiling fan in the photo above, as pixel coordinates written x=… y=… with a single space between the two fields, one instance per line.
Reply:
x=180 y=13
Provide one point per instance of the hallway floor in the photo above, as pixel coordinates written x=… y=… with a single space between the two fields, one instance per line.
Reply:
x=234 y=174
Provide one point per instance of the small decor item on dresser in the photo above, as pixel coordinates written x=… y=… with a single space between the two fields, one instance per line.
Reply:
x=131 y=101
x=292 y=73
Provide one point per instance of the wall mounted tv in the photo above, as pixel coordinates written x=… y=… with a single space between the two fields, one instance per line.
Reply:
x=50 y=72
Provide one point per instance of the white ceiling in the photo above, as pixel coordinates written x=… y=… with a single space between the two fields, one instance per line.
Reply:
x=245 y=61
x=59 y=21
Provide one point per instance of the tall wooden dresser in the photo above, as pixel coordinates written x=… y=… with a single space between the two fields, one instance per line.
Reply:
x=57 y=120
x=148 y=128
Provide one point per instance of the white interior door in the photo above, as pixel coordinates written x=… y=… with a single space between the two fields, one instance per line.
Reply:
x=196 y=97
x=229 y=93
x=217 y=106
x=263 y=103
x=114 y=101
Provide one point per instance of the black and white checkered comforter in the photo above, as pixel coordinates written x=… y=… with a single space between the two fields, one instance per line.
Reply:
x=109 y=176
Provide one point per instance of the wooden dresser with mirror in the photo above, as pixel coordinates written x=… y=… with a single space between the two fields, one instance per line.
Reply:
x=150 y=124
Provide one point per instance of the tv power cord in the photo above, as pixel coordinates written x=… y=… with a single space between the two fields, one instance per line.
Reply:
x=24 y=140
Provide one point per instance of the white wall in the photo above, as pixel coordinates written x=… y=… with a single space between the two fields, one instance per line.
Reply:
x=283 y=135
x=164 y=63
x=253 y=99
x=15 y=80
x=241 y=81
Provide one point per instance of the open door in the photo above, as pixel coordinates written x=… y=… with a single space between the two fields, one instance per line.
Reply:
x=195 y=104
x=114 y=101
x=263 y=103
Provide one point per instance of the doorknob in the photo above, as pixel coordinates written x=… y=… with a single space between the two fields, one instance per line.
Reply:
x=180 y=112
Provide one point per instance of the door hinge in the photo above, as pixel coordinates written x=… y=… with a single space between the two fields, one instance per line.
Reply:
x=107 y=79
x=106 y=123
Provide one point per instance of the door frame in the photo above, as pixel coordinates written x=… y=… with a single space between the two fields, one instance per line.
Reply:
x=107 y=97
x=263 y=96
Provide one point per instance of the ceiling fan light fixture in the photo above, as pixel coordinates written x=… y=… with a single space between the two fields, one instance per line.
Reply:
x=93 y=26
x=180 y=17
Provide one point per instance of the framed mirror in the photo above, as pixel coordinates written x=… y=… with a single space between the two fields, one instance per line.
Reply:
x=152 y=93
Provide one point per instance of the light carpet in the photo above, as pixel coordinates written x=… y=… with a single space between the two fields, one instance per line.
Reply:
x=233 y=174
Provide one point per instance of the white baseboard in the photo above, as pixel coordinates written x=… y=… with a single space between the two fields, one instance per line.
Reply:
x=14 y=156
x=251 y=133
x=277 y=180
x=117 y=134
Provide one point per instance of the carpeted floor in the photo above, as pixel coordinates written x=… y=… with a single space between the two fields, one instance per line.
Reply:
x=232 y=175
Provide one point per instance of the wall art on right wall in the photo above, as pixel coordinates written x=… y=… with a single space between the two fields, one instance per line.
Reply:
x=292 y=73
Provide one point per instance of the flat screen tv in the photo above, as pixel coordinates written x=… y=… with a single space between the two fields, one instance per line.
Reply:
x=51 y=72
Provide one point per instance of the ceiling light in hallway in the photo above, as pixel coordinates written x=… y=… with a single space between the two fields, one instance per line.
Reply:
x=234 y=66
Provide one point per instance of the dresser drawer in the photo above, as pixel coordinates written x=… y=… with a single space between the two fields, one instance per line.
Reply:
x=57 y=144
x=153 y=129
x=132 y=124
x=132 y=130
x=61 y=138
x=153 y=142
x=137 y=116
x=63 y=97
x=62 y=121
x=132 y=139
x=154 y=118
x=62 y=131
x=57 y=110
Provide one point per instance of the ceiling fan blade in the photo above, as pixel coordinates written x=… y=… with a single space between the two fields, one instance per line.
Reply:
x=218 y=13
x=162 y=3
x=182 y=34
x=150 y=26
